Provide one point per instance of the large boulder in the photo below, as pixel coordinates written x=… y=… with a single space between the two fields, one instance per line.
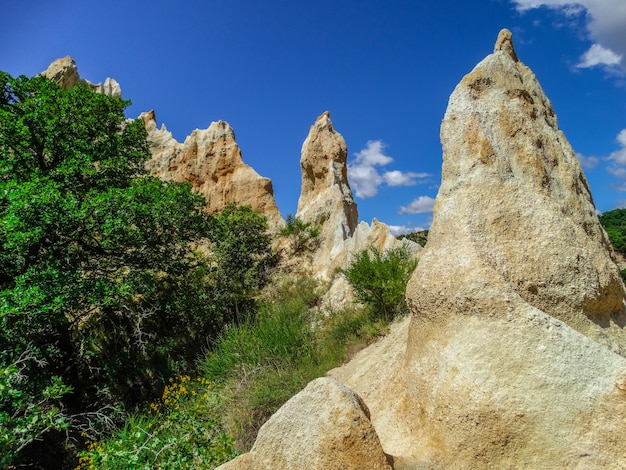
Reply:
x=211 y=161
x=517 y=305
x=324 y=427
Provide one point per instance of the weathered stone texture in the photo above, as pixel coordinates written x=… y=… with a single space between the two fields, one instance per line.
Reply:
x=211 y=161
x=514 y=208
x=324 y=427
x=517 y=305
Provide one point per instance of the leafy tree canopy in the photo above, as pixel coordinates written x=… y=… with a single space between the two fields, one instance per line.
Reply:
x=614 y=222
x=102 y=287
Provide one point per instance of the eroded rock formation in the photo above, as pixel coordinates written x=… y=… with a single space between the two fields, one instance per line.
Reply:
x=514 y=210
x=211 y=160
x=324 y=427
x=516 y=303
x=65 y=73
x=326 y=200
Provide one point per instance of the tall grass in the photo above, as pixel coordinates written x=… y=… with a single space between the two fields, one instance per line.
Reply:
x=250 y=372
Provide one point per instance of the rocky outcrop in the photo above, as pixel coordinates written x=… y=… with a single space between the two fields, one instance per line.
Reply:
x=517 y=305
x=326 y=201
x=514 y=210
x=324 y=427
x=65 y=73
x=211 y=161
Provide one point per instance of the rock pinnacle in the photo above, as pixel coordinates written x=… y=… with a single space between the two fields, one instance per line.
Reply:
x=504 y=43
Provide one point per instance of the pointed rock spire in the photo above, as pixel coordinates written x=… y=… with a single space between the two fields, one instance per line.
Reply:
x=504 y=43
x=517 y=305
x=326 y=198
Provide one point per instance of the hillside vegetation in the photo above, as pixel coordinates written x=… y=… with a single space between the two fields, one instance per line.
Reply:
x=137 y=331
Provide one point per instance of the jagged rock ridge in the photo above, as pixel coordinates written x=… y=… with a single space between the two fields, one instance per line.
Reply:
x=211 y=160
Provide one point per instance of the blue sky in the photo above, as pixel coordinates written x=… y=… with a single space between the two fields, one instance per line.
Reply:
x=384 y=69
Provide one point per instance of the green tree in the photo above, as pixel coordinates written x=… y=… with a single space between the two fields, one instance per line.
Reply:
x=420 y=237
x=241 y=245
x=100 y=285
x=379 y=280
x=614 y=222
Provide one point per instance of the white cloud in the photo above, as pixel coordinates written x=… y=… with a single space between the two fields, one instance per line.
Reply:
x=365 y=178
x=373 y=154
x=618 y=157
x=587 y=162
x=398 y=178
x=606 y=27
x=598 y=55
x=398 y=230
x=420 y=205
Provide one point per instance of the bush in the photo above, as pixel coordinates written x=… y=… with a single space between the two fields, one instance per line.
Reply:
x=302 y=235
x=180 y=431
x=379 y=280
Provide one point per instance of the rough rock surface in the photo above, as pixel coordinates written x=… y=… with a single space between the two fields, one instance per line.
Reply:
x=324 y=427
x=516 y=267
x=326 y=200
x=377 y=375
x=65 y=73
x=514 y=209
x=211 y=160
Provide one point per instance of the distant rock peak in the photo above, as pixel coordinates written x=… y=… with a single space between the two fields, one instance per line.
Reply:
x=65 y=72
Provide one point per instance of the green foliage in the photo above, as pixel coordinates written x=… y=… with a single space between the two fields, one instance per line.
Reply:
x=241 y=245
x=614 y=222
x=278 y=337
x=101 y=283
x=303 y=236
x=255 y=367
x=379 y=280
x=261 y=364
x=180 y=431
x=32 y=415
x=420 y=237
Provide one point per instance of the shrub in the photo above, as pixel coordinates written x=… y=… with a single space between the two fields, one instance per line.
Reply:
x=379 y=280
x=181 y=430
x=302 y=235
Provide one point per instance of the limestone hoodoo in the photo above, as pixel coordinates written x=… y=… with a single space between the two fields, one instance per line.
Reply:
x=326 y=198
x=517 y=305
